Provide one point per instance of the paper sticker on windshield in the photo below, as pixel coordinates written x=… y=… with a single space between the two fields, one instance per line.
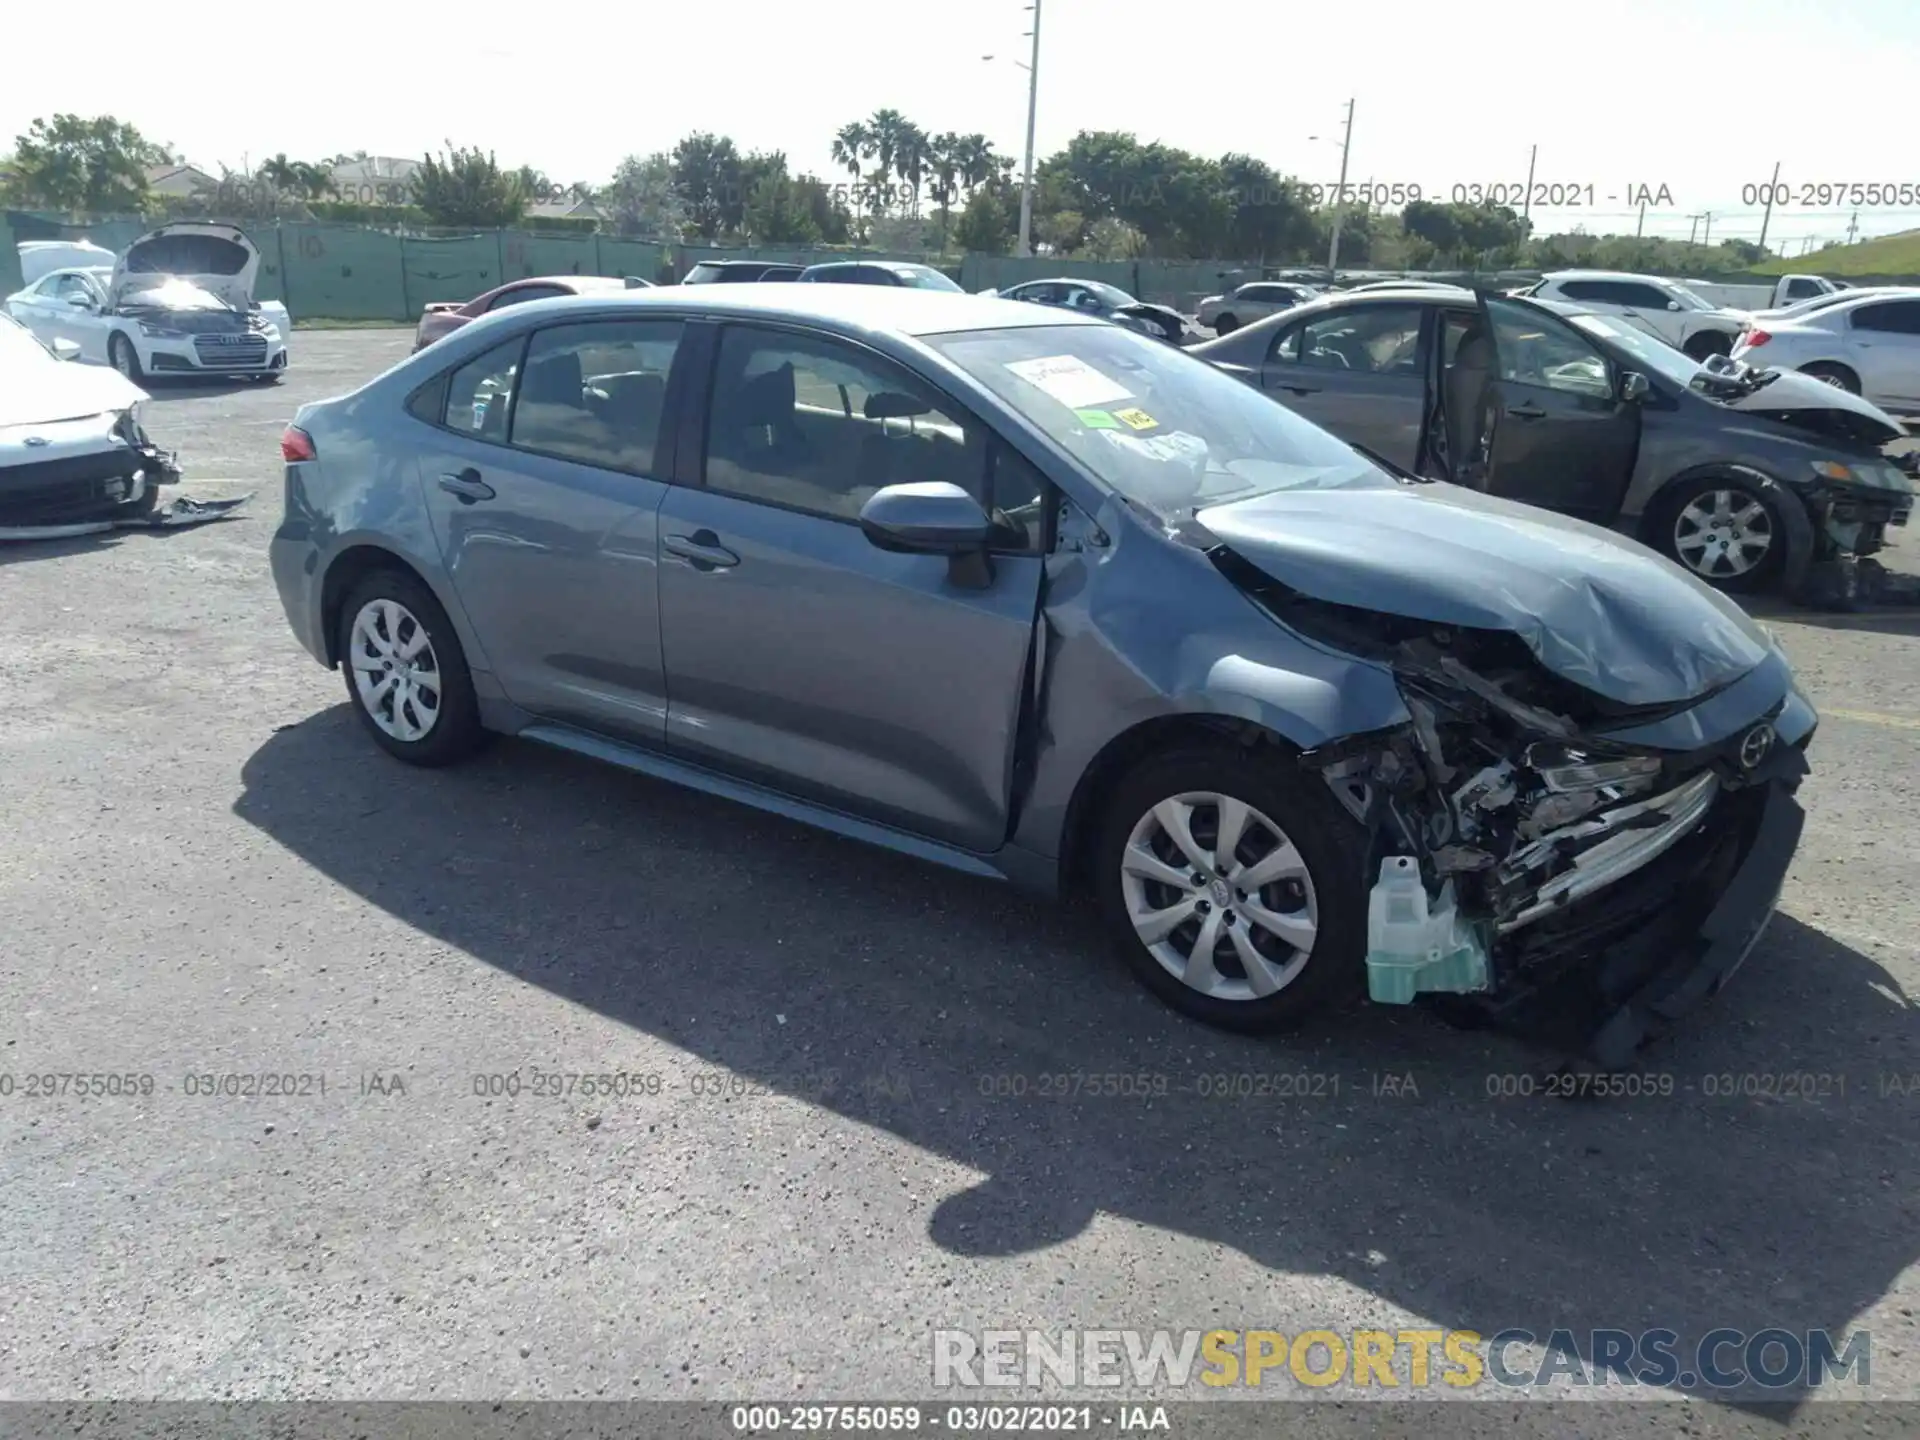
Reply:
x=1135 y=419
x=1096 y=420
x=1071 y=381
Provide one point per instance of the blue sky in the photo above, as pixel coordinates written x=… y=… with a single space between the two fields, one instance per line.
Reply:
x=1699 y=96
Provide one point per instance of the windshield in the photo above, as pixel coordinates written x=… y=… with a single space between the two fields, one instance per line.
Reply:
x=19 y=346
x=1649 y=350
x=925 y=277
x=1166 y=431
x=1110 y=295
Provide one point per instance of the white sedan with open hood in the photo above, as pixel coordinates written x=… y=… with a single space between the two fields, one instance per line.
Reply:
x=73 y=457
x=179 y=301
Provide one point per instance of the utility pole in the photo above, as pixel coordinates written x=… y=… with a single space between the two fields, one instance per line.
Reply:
x=1853 y=227
x=1640 y=226
x=1339 y=195
x=1767 y=217
x=1526 y=200
x=1033 y=103
x=1693 y=230
x=1707 y=238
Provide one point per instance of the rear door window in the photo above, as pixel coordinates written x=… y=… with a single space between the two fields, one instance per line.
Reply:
x=523 y=294
x=1893 y=317
x=595 y=392
x=480 y=392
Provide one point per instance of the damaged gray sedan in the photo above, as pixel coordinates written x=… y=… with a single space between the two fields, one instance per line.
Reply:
x=1038 y=599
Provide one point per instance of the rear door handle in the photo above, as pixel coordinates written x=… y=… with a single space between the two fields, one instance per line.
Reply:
x=702 y=550
x=1526 y=412
x=466 y=485
x=1301 y=389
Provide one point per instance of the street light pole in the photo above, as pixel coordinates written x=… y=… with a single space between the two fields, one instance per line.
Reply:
x=1526 y=200
x=1767 y=217
x=1033 y=103
x=1339 y=196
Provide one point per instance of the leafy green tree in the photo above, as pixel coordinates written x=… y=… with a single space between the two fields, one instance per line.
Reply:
x=466 y=188
x=84 y=166
x=710 y=184
x=640 y=198
x=991 y=220
x=304 y=179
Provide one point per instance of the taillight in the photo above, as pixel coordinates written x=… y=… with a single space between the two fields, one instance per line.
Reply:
x=1756 y=338
x=296 y=444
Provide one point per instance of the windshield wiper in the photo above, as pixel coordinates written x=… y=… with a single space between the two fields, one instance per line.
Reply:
x=1400 y=473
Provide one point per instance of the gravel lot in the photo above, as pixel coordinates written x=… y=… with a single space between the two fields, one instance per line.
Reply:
x=206 y=868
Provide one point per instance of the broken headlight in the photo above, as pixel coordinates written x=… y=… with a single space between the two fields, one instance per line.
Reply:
x=1562 y=768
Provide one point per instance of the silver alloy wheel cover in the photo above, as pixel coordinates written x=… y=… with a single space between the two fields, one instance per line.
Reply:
x=1722 y=534
x=1229 y=902
x=122 y=349
x=396 y=673
x=1827 y=377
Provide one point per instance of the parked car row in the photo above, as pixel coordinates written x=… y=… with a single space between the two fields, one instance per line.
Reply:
x=1022 y=592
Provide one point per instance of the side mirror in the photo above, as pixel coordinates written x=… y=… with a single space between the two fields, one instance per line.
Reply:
x=65 y=349
x=929 y=517
x=1673 y=304
x=79 y=302
x=1634 y=387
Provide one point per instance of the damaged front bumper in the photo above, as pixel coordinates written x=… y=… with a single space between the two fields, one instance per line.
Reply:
x=1596 y=881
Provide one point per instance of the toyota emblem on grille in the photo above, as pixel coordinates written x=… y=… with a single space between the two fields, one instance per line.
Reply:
x=1754 y=746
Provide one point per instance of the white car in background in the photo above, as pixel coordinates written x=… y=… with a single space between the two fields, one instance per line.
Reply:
x=178 y=302
x=73 y=457
x=1783 y=313
x=1868 y=345
x=1224 y=314
x=1666 y=307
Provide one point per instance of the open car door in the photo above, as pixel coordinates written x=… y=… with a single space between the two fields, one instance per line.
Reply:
x=1557 y=431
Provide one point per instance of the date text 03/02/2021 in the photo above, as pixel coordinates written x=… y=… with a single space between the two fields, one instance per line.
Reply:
x=957 y=1420
x=1512 y=193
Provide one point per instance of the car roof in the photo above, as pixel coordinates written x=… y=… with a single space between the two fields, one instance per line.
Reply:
x=875 y=308
x=1605 y=275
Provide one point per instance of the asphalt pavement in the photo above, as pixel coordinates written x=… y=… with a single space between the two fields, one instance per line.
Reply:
x=841 y=1128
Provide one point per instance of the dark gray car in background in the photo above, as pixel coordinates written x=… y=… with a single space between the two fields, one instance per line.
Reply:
x=1036 y=598
x=1747 y=477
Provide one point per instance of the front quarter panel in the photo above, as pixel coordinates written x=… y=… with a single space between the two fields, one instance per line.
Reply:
x=1146 y=630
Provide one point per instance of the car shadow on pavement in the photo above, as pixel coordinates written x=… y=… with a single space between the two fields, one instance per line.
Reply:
x=1762 y=1176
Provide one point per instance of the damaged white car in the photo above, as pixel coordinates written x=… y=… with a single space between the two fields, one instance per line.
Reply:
x=73 y=455
x=179 y=301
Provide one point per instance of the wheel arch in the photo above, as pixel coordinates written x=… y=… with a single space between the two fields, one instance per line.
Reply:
x=1792 y=511
x=361 y=557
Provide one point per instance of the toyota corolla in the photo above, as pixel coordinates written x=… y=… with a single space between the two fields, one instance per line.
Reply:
x=1035 y=598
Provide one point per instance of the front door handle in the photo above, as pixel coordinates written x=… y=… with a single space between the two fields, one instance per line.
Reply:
x=466 y=486
x=702 y=550
x=1300 y=389
x=1526 y=412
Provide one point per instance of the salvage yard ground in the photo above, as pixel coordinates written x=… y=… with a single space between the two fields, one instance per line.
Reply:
x=843 y=1135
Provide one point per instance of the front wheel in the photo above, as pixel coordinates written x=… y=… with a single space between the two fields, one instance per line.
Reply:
x=406 y=673
x=123 y=357
x=1225 y=325
x=1724 y=531
x=1233 y=889
x=1838 y=376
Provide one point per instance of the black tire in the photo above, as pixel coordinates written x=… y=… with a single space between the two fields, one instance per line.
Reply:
x=455 y=732
x=1666 y=540
x=1708 y=342
x=1836 y=375
x=1328 y=840
x=1225 y=325
x=124 y=358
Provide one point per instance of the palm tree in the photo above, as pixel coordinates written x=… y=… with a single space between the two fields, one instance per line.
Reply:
x=943 y=159
x=889 y=128
x=976 y=160
x=910 y=162
x=852 y=148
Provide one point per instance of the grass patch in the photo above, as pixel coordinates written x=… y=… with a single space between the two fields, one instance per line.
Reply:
x=322 y=322
x=1884 y=255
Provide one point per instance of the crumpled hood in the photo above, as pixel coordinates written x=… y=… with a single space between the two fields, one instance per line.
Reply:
x=1793 y=391
x=34 y=394
x=217 y=258
x=1595 y=608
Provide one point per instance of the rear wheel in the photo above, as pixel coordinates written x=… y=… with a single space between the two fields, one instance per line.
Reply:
x=123 y=357
x=1724 y=530
x=1225 y=325
x=1838 y=376
x=1232 y=888
x=405 y=671
x=1708 y=342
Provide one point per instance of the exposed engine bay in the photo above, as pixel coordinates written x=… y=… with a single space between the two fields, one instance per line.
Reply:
x=1496 y=807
